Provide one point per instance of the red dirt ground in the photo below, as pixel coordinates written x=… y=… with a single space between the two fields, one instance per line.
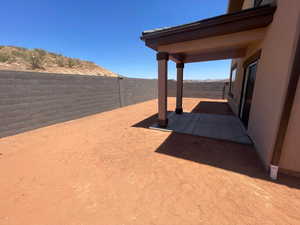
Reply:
x=108 y=169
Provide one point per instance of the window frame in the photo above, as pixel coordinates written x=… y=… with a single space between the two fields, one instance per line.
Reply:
x=246 y=80
x=257 y=3
x=233 y=68
x=250 y=60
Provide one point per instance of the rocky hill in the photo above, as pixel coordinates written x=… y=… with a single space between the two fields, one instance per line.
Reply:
x=39 y=60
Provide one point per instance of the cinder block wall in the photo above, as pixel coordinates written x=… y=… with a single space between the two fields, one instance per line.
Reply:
x=137 y=90
x=194 y=89
x=31 y=100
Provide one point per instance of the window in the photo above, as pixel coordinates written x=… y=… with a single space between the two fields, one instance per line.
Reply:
x=247 y=93
x=232 y=80
x=257 y=3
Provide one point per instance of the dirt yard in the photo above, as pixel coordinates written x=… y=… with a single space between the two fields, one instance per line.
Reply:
x=108 y=169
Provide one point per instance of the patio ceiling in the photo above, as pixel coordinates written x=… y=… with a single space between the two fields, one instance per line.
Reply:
x=222 y=37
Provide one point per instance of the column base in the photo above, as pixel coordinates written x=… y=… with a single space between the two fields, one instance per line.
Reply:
x=163 y=123
x=178 y=111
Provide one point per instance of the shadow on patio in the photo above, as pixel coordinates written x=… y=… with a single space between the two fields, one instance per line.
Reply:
x=209 y=107
x=220 y=108
x=235 y=157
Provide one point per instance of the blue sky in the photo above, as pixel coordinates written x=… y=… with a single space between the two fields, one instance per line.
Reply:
x=107 y=32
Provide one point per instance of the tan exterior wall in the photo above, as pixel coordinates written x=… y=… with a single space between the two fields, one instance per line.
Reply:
x=290 y=158
x=271 y=83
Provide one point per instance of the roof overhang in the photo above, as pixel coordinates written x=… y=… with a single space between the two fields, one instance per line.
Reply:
x=226 y=46
x=221 y=25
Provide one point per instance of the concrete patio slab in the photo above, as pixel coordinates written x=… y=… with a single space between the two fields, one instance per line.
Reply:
x=222 y=127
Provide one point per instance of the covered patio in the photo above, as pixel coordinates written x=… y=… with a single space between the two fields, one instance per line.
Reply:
x=222 y=127
x=223 y=37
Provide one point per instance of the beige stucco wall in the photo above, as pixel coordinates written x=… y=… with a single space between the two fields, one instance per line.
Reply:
x=290 y=158
x=271 y=84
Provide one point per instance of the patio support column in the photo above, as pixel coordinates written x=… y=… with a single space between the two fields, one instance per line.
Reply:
x=162 y=59
x=179 y=67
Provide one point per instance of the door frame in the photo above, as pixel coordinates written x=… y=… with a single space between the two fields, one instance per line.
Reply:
x=248 y=62
x=243 y=97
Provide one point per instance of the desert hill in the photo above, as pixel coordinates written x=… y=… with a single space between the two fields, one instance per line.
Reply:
x=39 y=60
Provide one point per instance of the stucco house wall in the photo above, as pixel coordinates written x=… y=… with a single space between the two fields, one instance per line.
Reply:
x=290 y=158
x=271 y=83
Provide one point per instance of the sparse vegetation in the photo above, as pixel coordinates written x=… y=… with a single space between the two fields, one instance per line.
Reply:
x=40 y=52
x=36 y=60
x=19 y=58
x=17 y=53
x=60 y=61
x=73 y=62
x=4 y=57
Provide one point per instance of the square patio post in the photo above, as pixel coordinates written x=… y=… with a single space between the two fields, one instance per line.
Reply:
x=162 y=58
x=179 y=67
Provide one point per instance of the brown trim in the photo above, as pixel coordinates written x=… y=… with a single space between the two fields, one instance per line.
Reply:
x=235 y=5
x=162 y=56
x=179 y=65
x=236 y=52
x=287 y=108
x=221 y=25
x=289 y=172
x=252 y=58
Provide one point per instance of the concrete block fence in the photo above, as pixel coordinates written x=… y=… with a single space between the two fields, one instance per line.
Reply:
x=31 y=100
x=198 y=89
